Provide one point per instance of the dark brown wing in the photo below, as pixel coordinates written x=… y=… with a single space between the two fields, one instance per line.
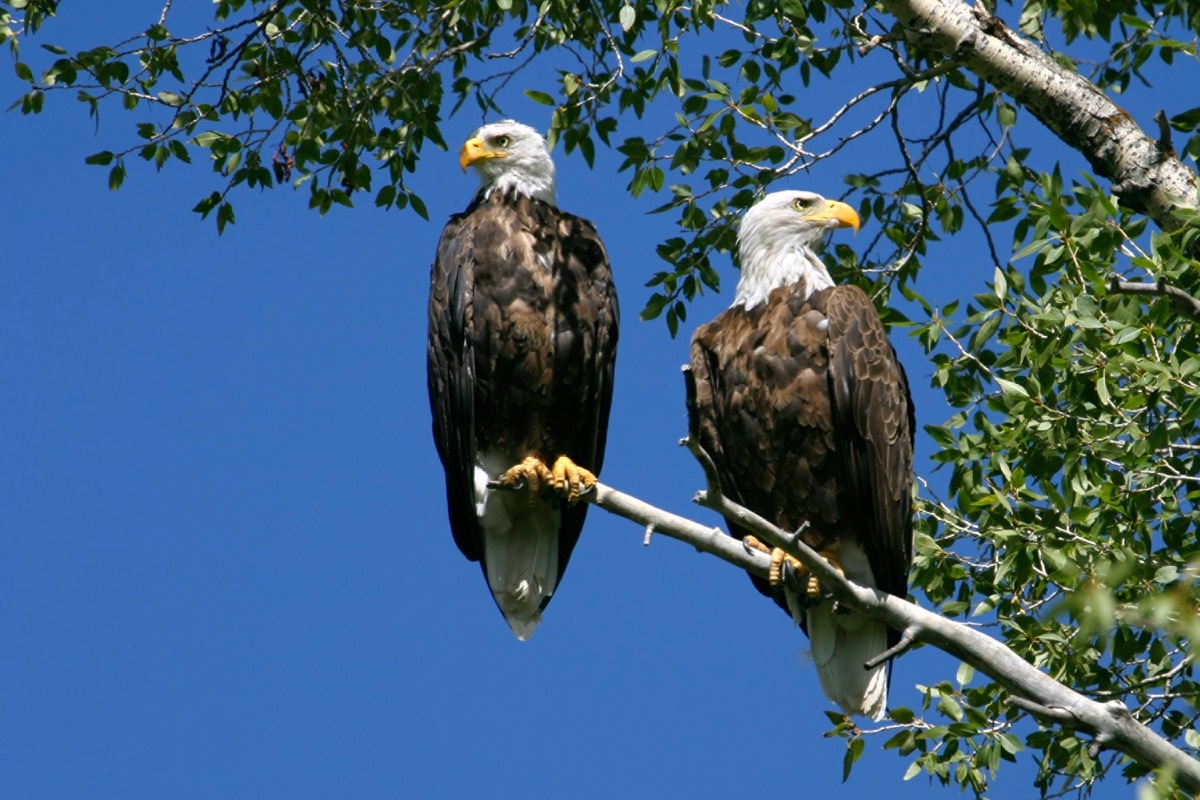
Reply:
x=450 y=374
x=585 y=327
x=874 y=426
x=522 y=346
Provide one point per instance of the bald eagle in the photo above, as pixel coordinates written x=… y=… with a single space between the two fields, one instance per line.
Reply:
x=522 y=344
x=797 y=394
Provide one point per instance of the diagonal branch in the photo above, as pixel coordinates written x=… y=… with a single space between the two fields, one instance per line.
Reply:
x=1109 y=724
x=1145 y=176
x=707 y=540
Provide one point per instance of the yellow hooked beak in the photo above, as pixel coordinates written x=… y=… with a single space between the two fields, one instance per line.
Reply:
x=475 y=150
x=846 y=216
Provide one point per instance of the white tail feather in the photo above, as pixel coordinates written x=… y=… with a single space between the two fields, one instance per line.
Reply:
x=841 y=644
x=520 y=550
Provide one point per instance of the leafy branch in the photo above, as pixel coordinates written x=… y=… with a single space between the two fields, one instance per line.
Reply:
x=1109 y=725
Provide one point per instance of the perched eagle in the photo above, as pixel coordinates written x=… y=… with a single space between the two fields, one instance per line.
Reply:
x=522 y=343
x=796 y=393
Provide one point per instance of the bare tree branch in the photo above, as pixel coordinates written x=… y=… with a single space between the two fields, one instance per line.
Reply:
x=1109 y=724
x=707 y=540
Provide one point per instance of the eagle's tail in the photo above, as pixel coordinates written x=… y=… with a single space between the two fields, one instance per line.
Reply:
x=841 y=644
x=520 y=554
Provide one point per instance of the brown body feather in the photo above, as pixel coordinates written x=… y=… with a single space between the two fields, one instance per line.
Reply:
x=522 y=344
x=806 y=412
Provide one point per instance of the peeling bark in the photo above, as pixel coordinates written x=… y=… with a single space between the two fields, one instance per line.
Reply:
x=1145 y=176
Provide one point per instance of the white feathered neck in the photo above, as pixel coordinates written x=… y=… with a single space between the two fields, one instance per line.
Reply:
x=775 y=244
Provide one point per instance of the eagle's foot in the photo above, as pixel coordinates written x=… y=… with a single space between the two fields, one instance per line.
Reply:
x=531 y=475
x=752 y=542
x=812 y=587
x=571 y=480
x=778 y=559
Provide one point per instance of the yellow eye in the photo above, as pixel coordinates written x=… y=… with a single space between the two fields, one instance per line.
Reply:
x=800 y=204
x=500 y=141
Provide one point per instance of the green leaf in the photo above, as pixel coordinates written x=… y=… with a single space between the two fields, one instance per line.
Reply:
x=170 y=98
x=1135 y=22
x=224 y=216
x=207 y=138
x=418 y=205
x=950 y=707
x=854 y=751
x=644 y=55
x=103 y=158
x=654 y=307
x=1166 y=574
x=1006 y=115
x=1011 y=389
x=965 y=673
x=627 y=17
x=540 y=97
x=787 y=121
x=116 y=177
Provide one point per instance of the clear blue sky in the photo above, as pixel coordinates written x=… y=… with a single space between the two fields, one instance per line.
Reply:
x=227 y=568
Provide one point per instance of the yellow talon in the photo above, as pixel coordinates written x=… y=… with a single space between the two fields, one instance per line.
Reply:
x=753 y=543
x=775 y=576
x=812 y=587
x=531 y=473
x=571 y=480
x=778 y=556
x=813 y=590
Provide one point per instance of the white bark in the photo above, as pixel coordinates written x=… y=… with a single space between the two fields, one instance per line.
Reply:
x=1109 y=724
x=1147 y=176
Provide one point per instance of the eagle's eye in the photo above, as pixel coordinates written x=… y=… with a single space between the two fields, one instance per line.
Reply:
x=801 y=203
x=500 y=141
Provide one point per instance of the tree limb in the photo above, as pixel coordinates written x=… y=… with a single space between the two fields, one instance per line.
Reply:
x=1147 y=178
x=1109 y=724
x=707 y=540
x=1179 y=298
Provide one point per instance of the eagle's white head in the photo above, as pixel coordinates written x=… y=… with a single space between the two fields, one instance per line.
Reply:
x=512 y=157
x=776 y=239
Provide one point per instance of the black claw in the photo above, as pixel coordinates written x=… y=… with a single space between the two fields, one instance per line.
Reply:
x=797 y=583
x=789 y=578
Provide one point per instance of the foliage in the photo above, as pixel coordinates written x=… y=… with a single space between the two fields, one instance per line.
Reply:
x=1069 y=525
x=1072 y=522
